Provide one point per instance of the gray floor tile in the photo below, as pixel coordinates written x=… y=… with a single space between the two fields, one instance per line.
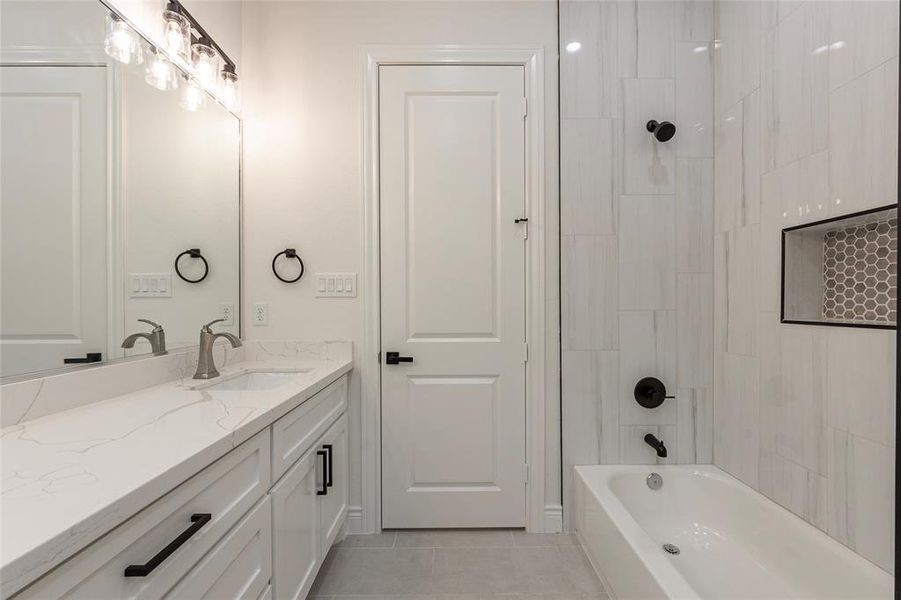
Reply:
x=579 y=570
x=371 y=571
x=469 y=538
x=521 y=538
x=376 y=540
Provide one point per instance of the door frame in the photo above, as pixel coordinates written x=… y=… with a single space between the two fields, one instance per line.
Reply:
x=538 y=517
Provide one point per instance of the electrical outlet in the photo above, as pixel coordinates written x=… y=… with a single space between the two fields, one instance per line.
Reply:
x=227 y=313
x=260 y=313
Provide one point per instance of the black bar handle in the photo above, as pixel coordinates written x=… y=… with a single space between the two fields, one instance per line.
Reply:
x=324 y=490
x=328 y=477
x=198 y=520
x=394 y=358
x=90 y=357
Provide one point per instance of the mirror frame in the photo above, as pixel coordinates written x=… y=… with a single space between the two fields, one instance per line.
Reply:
x=90 y=57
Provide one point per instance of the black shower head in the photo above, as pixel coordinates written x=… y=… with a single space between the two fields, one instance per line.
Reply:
x=664 y=132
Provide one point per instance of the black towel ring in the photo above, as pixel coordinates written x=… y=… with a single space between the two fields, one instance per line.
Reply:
x=289 y=253
x=193 y=253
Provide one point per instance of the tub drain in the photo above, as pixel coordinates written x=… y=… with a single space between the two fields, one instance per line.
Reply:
x=671 y=548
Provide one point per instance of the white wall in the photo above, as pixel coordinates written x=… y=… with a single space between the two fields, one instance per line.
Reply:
x=807 y=128
x=637 y=229
x=302 y=155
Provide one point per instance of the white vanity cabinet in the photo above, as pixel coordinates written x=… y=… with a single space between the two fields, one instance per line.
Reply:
x=254 y=525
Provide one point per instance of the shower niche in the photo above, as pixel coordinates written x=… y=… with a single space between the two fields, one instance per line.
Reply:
x=842 y=271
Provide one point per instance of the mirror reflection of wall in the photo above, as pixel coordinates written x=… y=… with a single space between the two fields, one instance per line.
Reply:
x=105 y=181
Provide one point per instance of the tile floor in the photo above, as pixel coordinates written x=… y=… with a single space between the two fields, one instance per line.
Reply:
x=458 y=565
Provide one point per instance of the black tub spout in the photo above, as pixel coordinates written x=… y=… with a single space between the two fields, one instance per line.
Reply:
x=652 y=441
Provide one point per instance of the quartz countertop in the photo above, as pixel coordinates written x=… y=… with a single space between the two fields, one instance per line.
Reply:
x=72 y=476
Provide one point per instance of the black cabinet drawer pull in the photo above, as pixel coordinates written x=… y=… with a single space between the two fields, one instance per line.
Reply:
x=328 y=477
x=324 y=490
x=198 y=520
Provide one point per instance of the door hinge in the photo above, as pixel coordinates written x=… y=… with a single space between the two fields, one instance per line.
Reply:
x=527 y=472
x=525 y=352
x=525 y=107
x=379 y=358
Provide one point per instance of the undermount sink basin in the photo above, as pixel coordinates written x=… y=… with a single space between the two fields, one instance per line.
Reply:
x=254 y=381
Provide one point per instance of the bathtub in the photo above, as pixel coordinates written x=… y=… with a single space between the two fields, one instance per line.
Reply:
x=733 y=542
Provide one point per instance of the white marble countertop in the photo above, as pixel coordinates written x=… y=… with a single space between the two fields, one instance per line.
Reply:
x=72 y=476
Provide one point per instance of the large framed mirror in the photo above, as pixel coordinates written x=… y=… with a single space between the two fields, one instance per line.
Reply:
x=120 y=195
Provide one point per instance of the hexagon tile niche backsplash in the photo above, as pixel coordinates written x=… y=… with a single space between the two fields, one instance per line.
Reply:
x=859 y=272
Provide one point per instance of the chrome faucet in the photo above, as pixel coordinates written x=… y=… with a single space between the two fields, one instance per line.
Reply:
x=206 y=368
x=157 y=338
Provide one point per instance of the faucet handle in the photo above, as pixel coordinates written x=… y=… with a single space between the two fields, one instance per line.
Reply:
x=207 y=326
x=156 y=326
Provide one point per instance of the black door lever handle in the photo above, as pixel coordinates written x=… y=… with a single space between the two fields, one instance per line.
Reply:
x=394 y=358
x=90 y=357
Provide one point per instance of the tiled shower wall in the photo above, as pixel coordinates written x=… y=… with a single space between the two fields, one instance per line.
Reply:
x=637 y=228
x=806 y=128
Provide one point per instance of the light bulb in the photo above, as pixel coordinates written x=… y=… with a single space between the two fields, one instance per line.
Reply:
x=229 y=91
x=161 y=73
x=192 y=96
x=176 y=34
x=206 y=63
x=121 y=42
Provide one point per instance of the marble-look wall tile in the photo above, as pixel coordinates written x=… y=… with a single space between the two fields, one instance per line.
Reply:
x=800 y=490
x=737 y=166
x=799 y=418
x=863 y=140
x=738 y=30
x=589 y=84
x=694 y=426
x=694 y=317
x=694 y=20
x=589 y=298
x=736 y=435
x=591 y=407
x=646 y=34
x=742 y=252
x=863 y=35
x=794 y=86
x=587 y=185
x=647 y=252
x=694 y=215
x=651 y=352
x=694 y=99
x=634 y=450
x=648 y=165
x=862 y=497
x=861 y=388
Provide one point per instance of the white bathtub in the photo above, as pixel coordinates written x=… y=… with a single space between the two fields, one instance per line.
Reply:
x=734 y=542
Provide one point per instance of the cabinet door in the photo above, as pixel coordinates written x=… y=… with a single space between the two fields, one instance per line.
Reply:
x=333 y=505
x=239 y=567
x=295 y=527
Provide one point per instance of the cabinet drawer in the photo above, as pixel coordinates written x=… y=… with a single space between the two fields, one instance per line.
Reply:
x=239 y=567
x=226 y=490
x=294 y=434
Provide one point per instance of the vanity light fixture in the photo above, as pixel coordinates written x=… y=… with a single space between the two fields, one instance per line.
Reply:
x=121 y=41
x=161 y=73
x=205 y=61
x=192 y=96
x=229 y=93
x=176 y=35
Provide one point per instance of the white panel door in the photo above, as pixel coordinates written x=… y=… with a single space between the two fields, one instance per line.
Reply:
x=53 y=159
x=452 y=170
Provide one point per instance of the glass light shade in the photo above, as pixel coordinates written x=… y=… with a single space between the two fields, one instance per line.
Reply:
x=122 y=42
x=229 y=92
x=176 y=36
x=206 y=64
x=161 y=73
x=192 y=96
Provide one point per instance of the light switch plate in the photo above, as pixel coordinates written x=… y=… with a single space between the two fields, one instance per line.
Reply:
x=150 y=285
x=336 y=285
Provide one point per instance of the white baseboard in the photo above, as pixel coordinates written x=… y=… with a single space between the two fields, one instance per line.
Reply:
x=553 y=518
x=354 y=524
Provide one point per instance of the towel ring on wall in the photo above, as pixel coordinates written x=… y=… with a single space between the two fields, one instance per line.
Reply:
x=193 y=253
x=289 y=253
